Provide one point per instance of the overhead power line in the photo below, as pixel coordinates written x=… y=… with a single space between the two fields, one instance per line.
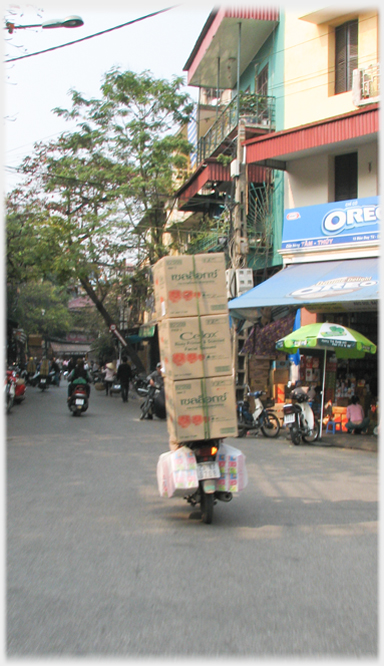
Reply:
x=97 y=34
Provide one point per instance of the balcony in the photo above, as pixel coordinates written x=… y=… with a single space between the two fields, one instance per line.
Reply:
x=258 y=111
x=366 y=85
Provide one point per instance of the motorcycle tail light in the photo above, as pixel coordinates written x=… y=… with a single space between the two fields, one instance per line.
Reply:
x=288 y=409
x=206 y=452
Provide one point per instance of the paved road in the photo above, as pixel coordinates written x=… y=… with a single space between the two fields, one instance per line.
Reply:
x=99 y=565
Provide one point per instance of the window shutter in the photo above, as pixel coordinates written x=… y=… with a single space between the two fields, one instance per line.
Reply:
x=340 y=59
x=352 y=50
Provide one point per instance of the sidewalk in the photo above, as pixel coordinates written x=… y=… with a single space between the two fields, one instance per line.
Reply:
x=346 y=441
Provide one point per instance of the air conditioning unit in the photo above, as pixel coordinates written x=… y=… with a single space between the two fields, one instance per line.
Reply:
x=235 y=168
x=244 y=280
x=230 y=280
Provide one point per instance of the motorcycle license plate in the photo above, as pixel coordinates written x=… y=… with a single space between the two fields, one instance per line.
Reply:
x=43 y=381
x=289 y=418
x=208 y=470
x=79 y=401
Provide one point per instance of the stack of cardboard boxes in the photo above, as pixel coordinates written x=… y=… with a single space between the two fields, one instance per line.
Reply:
x=195 y=347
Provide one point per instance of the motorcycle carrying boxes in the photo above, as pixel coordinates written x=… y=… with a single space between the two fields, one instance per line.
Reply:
x=177 y=471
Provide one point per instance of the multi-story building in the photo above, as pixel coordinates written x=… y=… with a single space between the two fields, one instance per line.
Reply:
x=302 y=176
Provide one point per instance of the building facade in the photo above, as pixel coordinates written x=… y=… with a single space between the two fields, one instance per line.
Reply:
x=297 y=142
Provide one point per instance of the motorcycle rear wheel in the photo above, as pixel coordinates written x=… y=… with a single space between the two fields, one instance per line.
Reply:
x=206 y=504
x=241 y=430
x=314 y=436
x=145 y=408
x=295 y=436
x=271 y=425
x=9 y=403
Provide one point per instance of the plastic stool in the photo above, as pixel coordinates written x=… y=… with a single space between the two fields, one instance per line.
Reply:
x=333 y=426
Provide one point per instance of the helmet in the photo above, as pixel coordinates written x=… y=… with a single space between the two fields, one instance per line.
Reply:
x=158 y=365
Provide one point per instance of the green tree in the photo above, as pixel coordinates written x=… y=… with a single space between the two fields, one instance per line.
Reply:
x=96 y=184
x=41 y=307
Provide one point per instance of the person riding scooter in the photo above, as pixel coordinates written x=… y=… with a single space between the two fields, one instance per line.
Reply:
x=79 y=375
x=156 y=381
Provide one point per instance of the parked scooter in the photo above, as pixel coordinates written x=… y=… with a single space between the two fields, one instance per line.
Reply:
x=263 y=418
x=154 y=403
x=79 y=401
x=20 y=389
x=300 y=419
x=10 y=390
x=141 y=385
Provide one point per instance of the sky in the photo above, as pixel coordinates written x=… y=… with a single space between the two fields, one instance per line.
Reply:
x=33 y=86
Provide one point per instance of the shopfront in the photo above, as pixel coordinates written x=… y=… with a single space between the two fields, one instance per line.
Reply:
x=330 y=273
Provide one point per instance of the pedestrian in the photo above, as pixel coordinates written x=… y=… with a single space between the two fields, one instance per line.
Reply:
x=357 y=422
x=124 y=374
x=56 y=369
x=108 y=378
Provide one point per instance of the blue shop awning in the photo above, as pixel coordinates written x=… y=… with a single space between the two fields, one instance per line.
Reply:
x=326 y=286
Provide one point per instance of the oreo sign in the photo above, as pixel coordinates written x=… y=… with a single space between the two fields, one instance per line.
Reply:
x=335 y=287
x=338 y=220
x=352 y=222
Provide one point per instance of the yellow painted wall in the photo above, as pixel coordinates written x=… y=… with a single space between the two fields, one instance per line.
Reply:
x=309 y=66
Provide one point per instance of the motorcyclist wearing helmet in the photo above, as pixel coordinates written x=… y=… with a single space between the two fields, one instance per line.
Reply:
x=79 y=375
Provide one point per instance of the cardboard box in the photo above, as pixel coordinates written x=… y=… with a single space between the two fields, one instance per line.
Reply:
x=190 y=285
x=279 y=392
x=279 y=376
x=193 y=347
x=201 y=408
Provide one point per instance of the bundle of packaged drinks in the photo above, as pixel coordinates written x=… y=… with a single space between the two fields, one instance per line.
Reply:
x=177 y=472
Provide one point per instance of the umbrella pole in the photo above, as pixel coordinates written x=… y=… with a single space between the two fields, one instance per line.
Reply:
x=322 y=395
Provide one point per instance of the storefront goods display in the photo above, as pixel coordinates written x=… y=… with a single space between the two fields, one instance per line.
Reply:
x=190 y=285
x=342 y=341
x=261 y=340
x=192 y=347
x=258 y=373
x=202 y=408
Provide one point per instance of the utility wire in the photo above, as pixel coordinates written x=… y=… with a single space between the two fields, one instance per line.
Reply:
x=97 y=34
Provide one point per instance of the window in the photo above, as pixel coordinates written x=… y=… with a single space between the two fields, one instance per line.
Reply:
x=345 y=55
x=262 y=82
x=346 y=177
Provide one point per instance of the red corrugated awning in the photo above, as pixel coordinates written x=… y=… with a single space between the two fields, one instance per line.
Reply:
x=216 y=172
x=288 y=144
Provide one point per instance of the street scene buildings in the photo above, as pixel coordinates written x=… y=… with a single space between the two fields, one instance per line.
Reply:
x=184 y=260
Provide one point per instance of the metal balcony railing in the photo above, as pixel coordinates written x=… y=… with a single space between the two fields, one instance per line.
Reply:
x=258 y=111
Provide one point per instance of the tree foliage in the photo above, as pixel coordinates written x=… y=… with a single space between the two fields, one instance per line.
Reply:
x=97 y=194
x=41 y=308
